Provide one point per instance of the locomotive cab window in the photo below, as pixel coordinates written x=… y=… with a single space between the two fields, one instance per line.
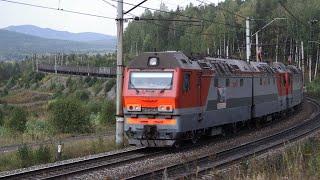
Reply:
x=186 y=82
x=151 y=80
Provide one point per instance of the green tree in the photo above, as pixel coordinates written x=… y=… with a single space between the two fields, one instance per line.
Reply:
x=147 y=43
x=17 y=119
x=82 y=95
x=69 y=116
x=109 y=85
x=107 y=113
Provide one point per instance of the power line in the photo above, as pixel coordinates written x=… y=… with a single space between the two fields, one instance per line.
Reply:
x=116 y=7
x=169 y=20
x=190 y=17
x=134 y=7
x=58 y=9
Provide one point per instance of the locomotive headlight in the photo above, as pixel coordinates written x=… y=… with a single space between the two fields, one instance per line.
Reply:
x=134 y=107
x=165 y=108
x=153 y=61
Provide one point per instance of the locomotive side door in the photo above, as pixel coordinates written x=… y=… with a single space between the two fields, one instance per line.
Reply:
x=189 y=89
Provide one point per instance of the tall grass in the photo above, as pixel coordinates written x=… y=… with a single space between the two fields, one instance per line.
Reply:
x=301 y=161
x=27 y=156
x=313 y=88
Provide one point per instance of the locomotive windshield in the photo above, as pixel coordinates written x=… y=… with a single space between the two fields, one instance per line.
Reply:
x=151 y=80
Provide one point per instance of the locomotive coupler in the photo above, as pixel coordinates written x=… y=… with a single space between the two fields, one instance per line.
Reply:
x=150 y=132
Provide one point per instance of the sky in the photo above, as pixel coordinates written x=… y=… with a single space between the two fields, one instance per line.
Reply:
x=15 y=14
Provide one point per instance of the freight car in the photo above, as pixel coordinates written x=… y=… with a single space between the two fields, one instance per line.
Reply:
x=169 y=98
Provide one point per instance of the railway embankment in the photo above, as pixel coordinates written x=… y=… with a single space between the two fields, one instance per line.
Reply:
x=191 y=159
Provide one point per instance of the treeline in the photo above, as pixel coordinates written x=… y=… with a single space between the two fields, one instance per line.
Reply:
x=221 y=28
x=91 y=60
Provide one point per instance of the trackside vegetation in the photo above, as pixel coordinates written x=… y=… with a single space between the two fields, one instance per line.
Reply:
x=27 y=156
x=45 y=109
x=301 y=161
x=69 y=116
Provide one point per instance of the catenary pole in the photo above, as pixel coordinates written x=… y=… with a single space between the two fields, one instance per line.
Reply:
x=302 y=58
x=248 y=41
x=119 y=110
x=257 y=47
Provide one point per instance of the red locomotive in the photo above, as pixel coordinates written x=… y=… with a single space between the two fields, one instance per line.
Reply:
x=169 y=98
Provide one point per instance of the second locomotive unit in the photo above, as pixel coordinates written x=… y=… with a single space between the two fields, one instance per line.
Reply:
x=169 y=97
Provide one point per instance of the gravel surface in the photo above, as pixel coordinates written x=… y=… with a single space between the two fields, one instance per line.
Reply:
x=183 y=156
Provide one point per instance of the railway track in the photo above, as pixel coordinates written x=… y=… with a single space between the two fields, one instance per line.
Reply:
x=201 y=167
x=82 y=166
x=198 y=167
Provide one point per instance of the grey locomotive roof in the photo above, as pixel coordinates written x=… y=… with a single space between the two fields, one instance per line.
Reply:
x=243 y=66
x=174 y=59
x=167 y=60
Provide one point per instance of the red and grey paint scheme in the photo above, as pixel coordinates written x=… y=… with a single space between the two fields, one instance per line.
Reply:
x=168 y=97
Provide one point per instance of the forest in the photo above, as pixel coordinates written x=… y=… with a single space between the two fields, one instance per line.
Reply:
x=220 y=30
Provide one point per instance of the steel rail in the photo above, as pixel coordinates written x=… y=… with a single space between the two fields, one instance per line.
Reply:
x=82 y=166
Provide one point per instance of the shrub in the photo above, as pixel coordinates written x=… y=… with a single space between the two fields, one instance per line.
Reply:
x=25 y=156
x=37 y=128
x=97 y=87
x=17 y=119
x=314 y=87
x=87 y=79
x=11 y=82
x=42 y=155
x=52 y=86
x=57 y=94
x=69 y=116
x=92 y=81
x=82 y=95
x=3 y=92
x=1 y=117
x=94 y=106
x=71 y=84
x=109 y=85
x=5 y=131
x=107 y=113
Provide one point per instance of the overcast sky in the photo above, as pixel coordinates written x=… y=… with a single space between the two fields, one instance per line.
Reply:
x=14 y=14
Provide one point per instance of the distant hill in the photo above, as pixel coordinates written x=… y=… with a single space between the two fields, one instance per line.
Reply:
x=15 y=46
x=62 y=35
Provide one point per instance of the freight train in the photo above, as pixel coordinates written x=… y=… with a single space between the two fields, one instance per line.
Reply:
x=79 y=70
x=169 y=98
